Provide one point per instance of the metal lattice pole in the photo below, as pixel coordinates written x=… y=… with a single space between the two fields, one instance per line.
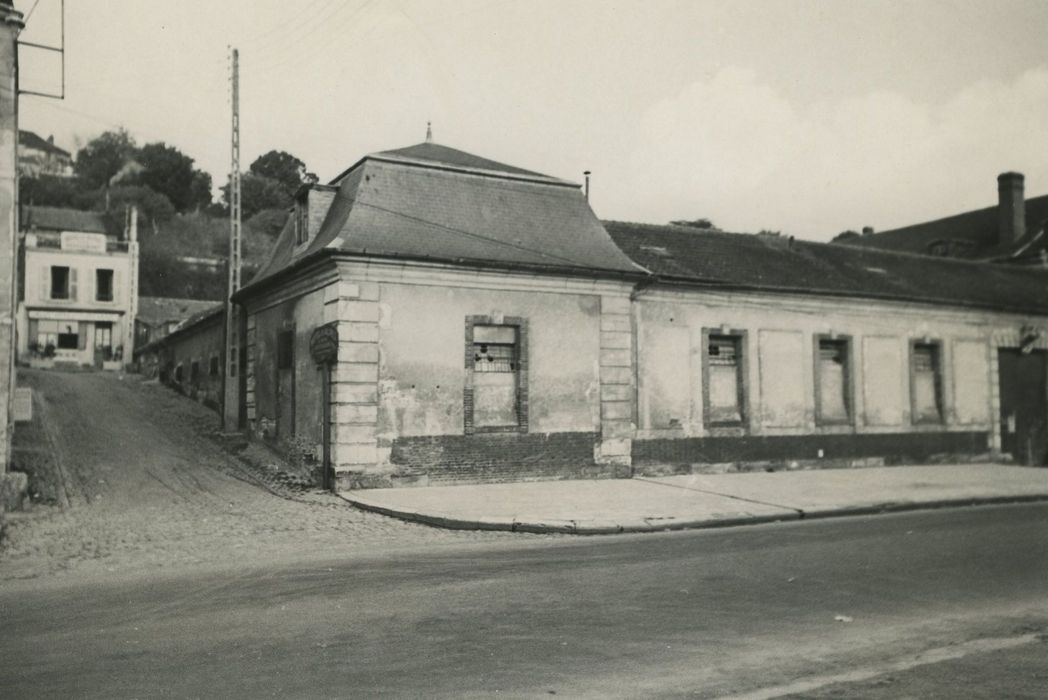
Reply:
x=231 y=380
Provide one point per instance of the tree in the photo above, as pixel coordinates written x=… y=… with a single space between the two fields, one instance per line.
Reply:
x=705 y=224
x=153 y=207
x=200 y=190
x=845 y=236
x=258 y=192
x=169 y=172
x=268 y=222
x=50 y=191
x=283 y=167
x=104 y=157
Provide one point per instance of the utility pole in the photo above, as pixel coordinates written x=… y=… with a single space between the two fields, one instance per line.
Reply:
x=230 y=379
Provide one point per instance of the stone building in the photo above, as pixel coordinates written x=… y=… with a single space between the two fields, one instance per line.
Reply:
x=78 y=289
x=490 y=328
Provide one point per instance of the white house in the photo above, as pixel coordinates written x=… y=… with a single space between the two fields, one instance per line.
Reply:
x=78 y=289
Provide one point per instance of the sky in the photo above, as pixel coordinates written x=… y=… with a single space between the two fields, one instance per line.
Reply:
x=808 y=117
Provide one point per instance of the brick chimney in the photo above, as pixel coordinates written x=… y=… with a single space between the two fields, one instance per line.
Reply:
x=1011 y=208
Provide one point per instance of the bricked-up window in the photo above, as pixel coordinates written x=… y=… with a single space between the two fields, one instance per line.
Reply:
x=285 y=349
x=723 y=384
x=926 y=382
x=103 y=285
x=833 y=401
x=495 y=396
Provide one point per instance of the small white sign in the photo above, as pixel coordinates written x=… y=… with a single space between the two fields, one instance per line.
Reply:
x=87 y=242
x=23 y=405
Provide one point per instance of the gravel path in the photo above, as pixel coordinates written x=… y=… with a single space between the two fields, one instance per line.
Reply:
x=149 y=487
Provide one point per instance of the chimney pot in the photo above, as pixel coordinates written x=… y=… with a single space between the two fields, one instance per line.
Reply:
x=1011 y=208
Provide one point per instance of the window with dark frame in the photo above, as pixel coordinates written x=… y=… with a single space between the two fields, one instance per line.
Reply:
x=194 y=371
x=103 y=285
x=926 y=382
x=495 y=397
x=59 y=282
x=723 y=383
x=833 y=381
x=285 y=349
x=301 y=222
x=178 y=373
x=212 y=368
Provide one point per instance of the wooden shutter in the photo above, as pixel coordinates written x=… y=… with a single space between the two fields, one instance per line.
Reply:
x=117 y=279
x=45 y=293
x=72 y=284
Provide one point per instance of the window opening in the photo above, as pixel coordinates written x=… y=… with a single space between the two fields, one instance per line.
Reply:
x=59 y=282
x=103 y=285
x=285 y=349
x=833 y=381
x=724 y=380
x=926 y=382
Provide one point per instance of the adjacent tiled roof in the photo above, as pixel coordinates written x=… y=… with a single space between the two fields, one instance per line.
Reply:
x=158 y=310
x=778 y=264
x=31 y=140
x=974 y=231
x=58 y=219
x=402 y=207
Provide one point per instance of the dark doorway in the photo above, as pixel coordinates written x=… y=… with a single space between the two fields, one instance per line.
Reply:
x=1024 y=405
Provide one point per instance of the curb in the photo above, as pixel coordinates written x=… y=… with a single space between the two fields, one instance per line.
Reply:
x=575 y=527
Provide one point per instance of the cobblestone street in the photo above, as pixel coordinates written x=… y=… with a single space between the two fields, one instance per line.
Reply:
x=144 y=485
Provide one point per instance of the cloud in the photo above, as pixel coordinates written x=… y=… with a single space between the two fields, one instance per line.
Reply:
x=739 y=152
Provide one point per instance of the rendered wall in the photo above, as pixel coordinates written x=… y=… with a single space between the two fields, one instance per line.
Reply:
x=779 y=380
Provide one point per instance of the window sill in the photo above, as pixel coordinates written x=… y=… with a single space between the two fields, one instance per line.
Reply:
x=497 y=429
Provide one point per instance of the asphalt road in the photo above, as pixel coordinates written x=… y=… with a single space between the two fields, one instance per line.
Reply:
x=689 y=614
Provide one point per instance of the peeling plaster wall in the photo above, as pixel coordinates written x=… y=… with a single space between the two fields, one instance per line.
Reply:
x=779 y=381
x=286 y=406
x=422 y=375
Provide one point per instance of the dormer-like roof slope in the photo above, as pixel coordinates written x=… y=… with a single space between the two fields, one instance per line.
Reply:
x=60 y=219
x=433 y=203
x=732 y=261
x=975 y=230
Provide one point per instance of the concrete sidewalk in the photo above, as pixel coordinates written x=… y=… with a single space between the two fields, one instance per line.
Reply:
x=646 y=504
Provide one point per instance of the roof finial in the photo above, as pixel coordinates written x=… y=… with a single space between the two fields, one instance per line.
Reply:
x=429 y=132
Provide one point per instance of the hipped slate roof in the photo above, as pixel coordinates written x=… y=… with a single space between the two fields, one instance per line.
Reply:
x=430 y=202
x=776 y=264
x=59 y=219
x=977 y=230
x=157 y=310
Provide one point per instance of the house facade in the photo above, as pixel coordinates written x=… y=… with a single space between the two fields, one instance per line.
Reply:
x=434 y=317
x=39 y=156
x=78 y=289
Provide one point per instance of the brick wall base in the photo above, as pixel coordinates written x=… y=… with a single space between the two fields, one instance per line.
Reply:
x=772 y=453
